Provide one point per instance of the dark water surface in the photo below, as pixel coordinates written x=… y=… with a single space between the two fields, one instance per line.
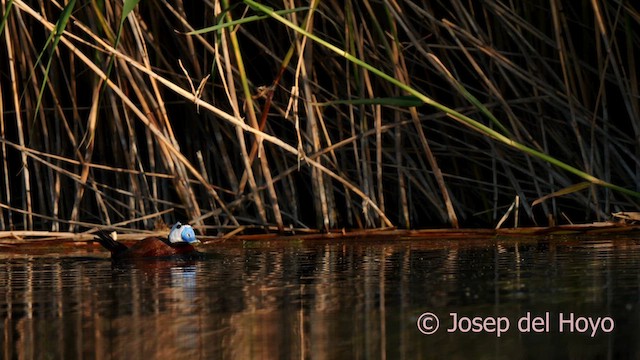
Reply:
x=330 y=300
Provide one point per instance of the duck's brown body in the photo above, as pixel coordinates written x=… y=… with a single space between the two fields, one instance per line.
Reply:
x=147 y=248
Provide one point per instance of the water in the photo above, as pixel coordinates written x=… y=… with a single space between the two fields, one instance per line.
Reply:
x=329 y=300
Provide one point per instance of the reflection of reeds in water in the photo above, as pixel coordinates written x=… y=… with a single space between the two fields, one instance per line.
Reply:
x=317 y=301
x=250 y=122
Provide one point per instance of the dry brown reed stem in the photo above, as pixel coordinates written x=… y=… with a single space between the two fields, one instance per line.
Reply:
x=235 y=105
x=253 y=121
x=88 y=143
x=378 y=126
x=405 y=219
x=21 y=235
x=326 y=216
x=27 y=218
x=5 y=167
x=349 y=30
x=325 y=212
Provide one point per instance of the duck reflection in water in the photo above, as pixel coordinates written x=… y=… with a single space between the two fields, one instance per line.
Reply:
x=179 y=244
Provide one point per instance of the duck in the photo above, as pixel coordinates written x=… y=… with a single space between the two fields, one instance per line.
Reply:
x=179 y=243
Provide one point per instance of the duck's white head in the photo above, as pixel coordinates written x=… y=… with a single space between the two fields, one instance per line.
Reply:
x=182 y=234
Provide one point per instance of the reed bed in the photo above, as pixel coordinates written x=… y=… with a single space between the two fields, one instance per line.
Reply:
x=320 y=114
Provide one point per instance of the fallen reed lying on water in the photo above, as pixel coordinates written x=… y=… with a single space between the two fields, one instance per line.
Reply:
x=320 y=115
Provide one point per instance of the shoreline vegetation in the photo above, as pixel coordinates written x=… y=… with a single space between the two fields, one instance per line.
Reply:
x=317 y=116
